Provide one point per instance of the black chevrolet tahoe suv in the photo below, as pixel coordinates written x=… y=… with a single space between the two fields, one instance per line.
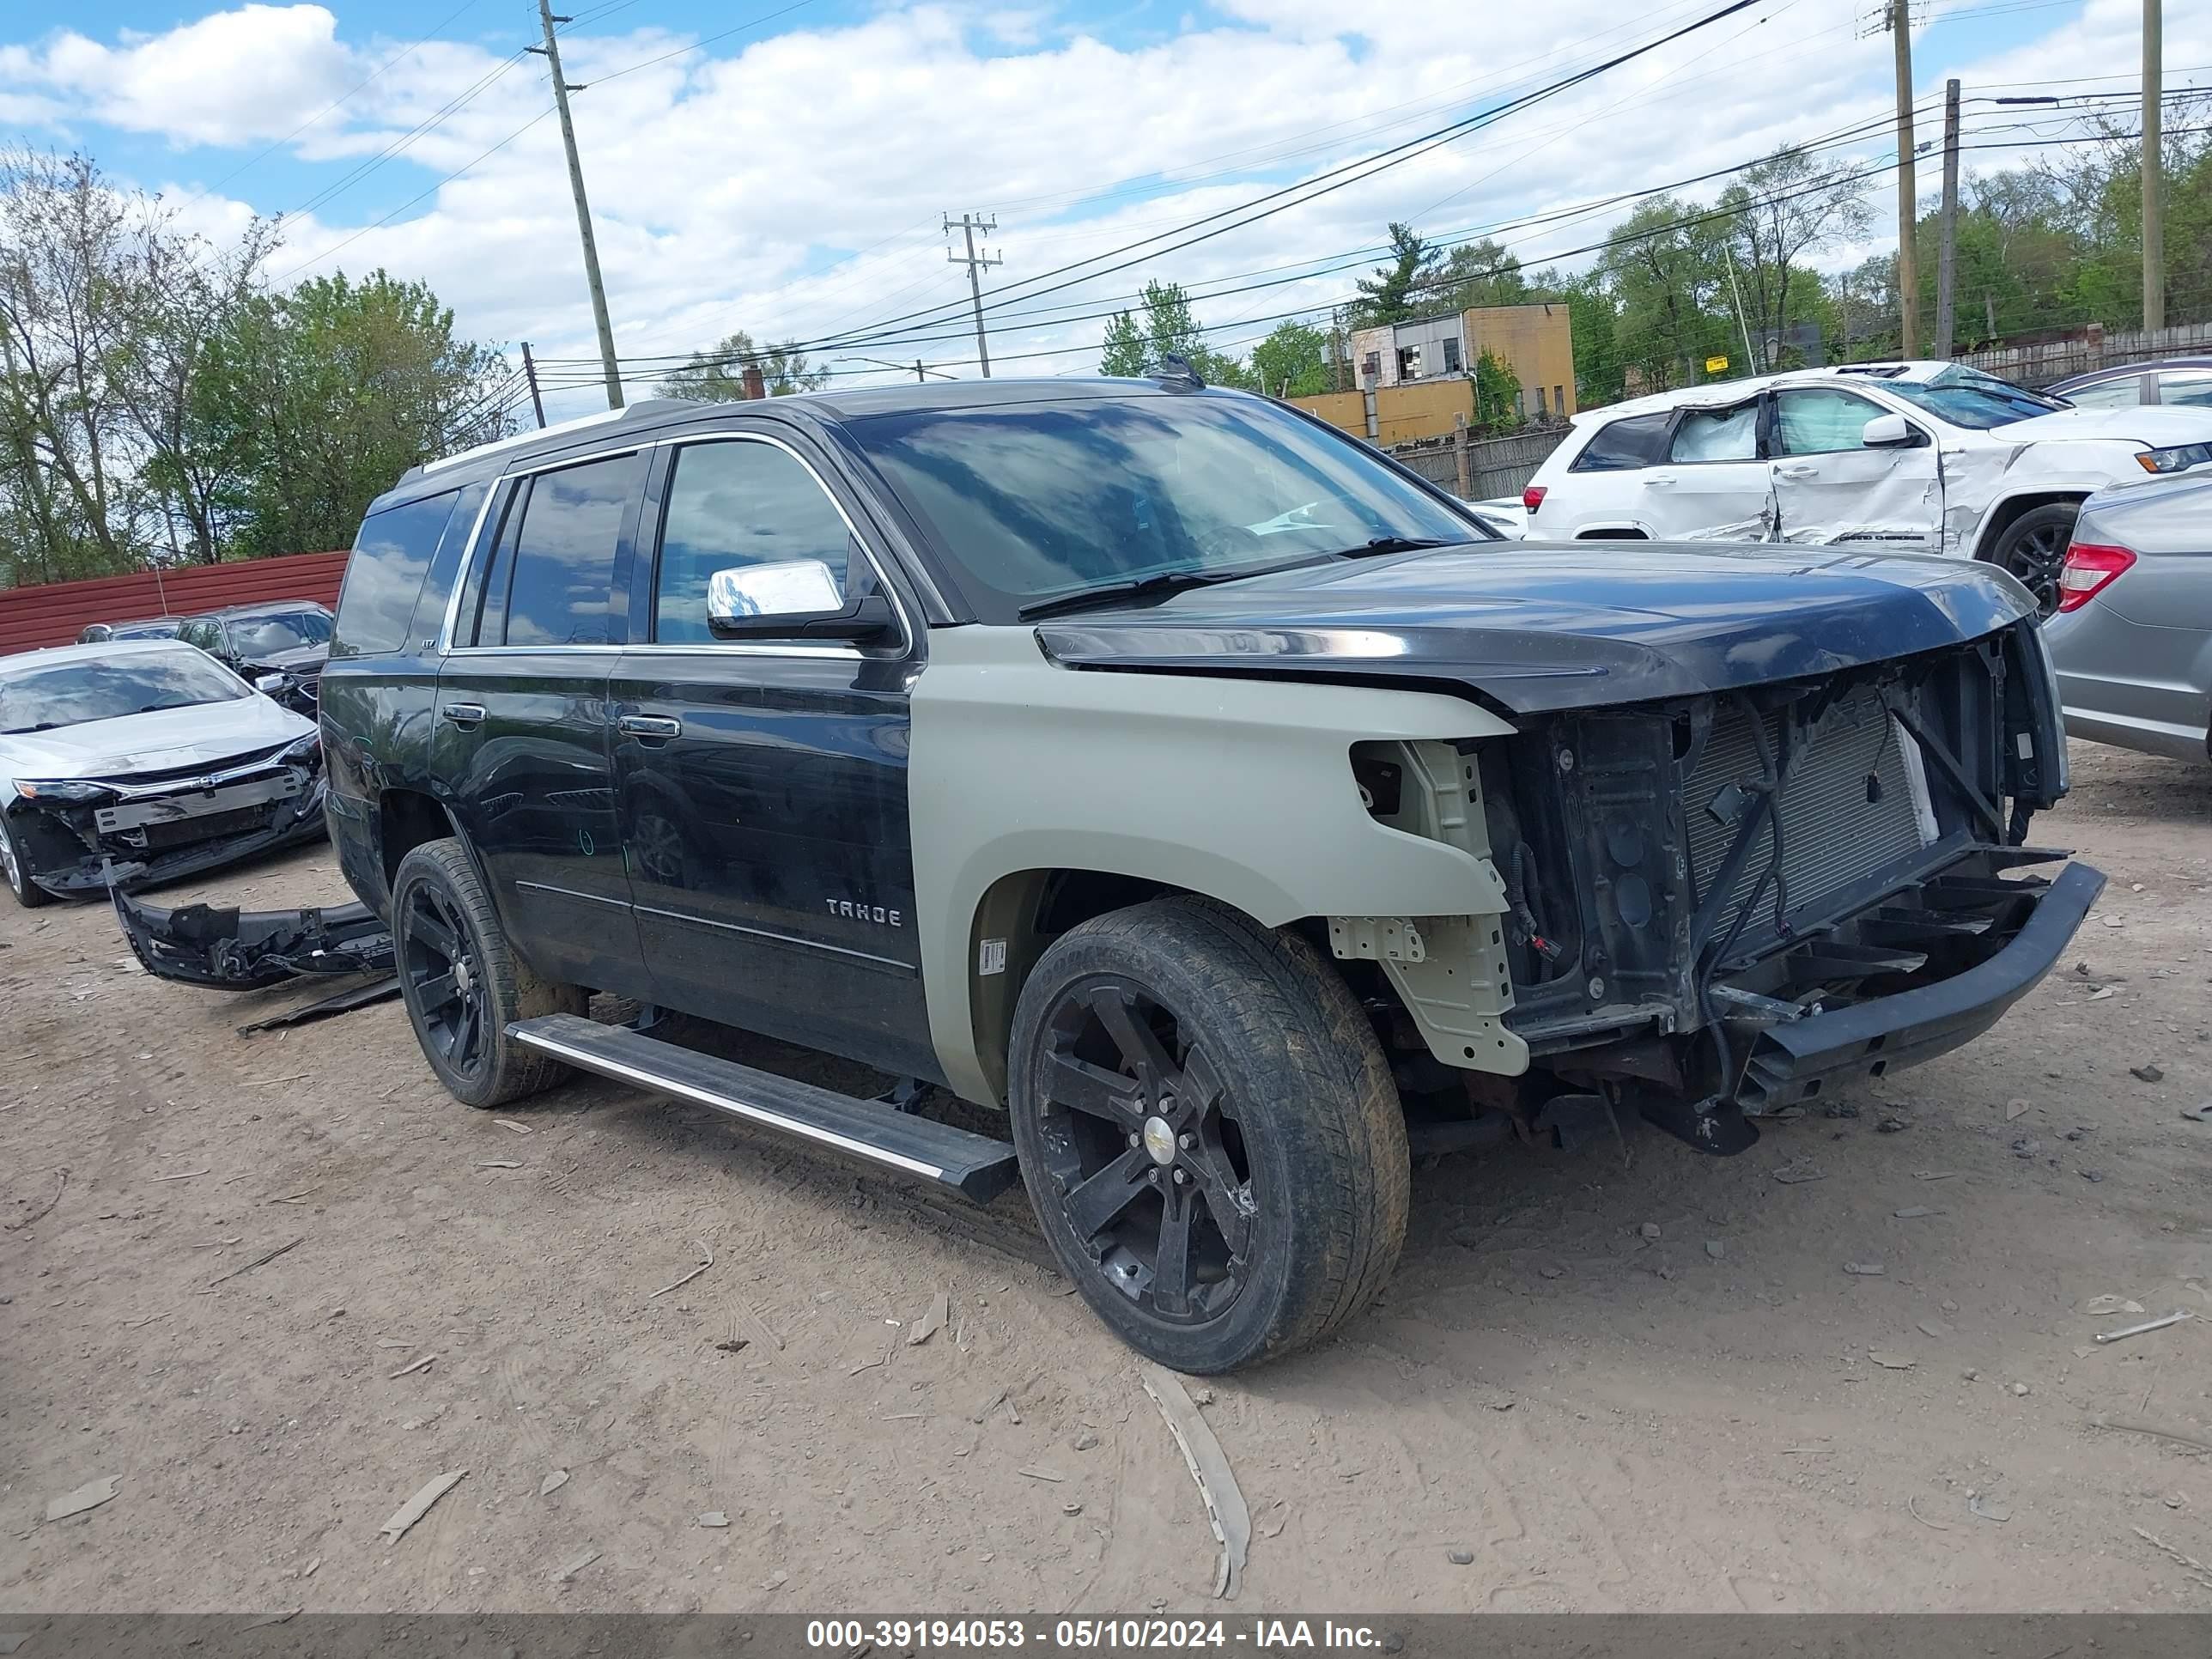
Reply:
x=1213 y=801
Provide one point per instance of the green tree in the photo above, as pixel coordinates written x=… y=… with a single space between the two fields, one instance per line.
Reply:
x=1389 y=296
x=1497 y=393
x=1137 y=346
x=1126 y=350
x=311 y=402
x=1667 y=273
x=66 y=314
x=718 y=376
x=1784 y=209
x=1480 y=273
x=1292 y=362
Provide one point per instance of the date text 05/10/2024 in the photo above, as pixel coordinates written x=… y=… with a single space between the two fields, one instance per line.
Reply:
x=1089 y=1635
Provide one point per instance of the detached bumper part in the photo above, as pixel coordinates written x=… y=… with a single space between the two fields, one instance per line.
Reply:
x=1791 y=1062
x=244 y=949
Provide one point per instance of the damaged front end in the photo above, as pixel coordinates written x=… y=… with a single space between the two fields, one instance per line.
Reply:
x=86 y=834
x=245 y=950
x=1724 y=905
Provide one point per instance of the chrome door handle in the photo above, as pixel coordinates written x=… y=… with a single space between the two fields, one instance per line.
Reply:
x=1659 y=480
x=650 y=726
x=463 y=713
x=1803 y=471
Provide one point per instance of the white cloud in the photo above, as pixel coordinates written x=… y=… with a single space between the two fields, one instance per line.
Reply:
x=719 y=179
x=231 y=77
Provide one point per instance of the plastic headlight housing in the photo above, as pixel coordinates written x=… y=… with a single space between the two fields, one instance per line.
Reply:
x=2178 y=458
x=307 y=751
x=65 y=791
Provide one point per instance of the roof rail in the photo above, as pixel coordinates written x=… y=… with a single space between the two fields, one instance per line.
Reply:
x=604 y=418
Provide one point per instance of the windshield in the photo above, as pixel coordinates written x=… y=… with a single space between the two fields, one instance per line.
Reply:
x=107 y=688
x=1038 y=501
x=164 y=629
x=1966 y=396
x=279 y=631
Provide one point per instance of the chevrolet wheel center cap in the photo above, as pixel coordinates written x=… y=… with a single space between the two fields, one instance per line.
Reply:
x=1159 y=1140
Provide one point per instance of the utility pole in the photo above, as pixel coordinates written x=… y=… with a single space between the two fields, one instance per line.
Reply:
x=1908 y=266
x=967 y=224
x=921 y=371
x=562 y=88
x=530 y=372
x=1948 y=249
x=2154 y=164
x=1750 y=357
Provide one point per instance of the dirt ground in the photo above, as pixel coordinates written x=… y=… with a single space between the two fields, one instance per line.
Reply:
x=1602 y=1418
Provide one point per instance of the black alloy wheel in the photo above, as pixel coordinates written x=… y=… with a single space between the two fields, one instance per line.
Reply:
x=2033 y=547
x=1148 y=1157
x=445 y=982
x=462 y=984
x=1208 y=1131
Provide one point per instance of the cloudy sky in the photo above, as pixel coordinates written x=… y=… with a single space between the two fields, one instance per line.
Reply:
x=784 y=166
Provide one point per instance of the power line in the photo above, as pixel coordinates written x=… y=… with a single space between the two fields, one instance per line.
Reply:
x=453 y=105
x=1647 y=233
x=262 y=155
x=1061 y=315
x=378 y=224
x=1338 y=178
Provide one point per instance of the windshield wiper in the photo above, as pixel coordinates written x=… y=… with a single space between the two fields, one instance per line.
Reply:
x=1160 y=581
x=1392 y=545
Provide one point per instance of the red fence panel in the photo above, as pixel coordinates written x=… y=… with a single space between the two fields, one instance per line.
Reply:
x=57 y=613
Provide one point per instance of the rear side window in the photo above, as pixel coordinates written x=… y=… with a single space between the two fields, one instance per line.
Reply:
x=1717 y=434
x=2189 y=387
x=562 y=588
x=438 y=586
x=390 y=557
x=2121 y=391
x=1636 y=441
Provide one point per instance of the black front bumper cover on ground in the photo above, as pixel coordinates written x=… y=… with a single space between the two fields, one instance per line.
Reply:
x=1791 y=1062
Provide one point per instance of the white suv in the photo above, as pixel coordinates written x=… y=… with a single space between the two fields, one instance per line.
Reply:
x=1914 y=455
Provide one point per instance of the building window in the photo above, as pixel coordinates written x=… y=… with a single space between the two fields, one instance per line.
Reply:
x=1541 y=412
x=1409 y=362
x=1451 y=357
x=1560 y=401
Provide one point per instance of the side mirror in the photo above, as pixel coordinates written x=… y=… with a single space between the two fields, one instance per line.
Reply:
x=270 y=683
x=791 y=599
x=1888 y=432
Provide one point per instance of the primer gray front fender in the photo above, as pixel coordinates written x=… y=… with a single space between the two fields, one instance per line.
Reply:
x=1237 y=788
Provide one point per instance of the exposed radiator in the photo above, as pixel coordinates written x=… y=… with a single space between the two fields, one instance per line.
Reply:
x=1832 y=833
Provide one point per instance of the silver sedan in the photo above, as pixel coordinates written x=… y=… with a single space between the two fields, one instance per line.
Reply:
x=2132 y=641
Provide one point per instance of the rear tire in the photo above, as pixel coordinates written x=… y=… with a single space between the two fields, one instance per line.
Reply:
x=463 y=985
x=2032 y=548
x=14 y=865
x=1178 y=1038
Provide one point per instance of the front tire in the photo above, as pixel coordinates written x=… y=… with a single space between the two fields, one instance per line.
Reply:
x=463 y=985
x=2032 y=547
x=1208 y=1131
x=14 y=865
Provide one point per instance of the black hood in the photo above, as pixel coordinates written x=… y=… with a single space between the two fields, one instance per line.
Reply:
x=300 y=659
x=1574 y=625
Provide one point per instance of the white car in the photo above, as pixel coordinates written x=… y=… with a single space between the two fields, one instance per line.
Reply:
x=1929 y=455
x=126 y=763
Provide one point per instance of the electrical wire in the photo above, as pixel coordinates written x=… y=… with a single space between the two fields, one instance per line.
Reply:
x=1037 y=320
x=1646 y=234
